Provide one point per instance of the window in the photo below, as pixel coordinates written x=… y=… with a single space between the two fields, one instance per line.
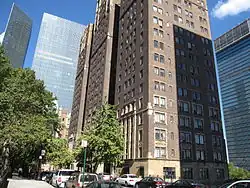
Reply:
x=203 y=173
x=196 y=96
x=160 y=117
x=160 y=23
x=156 y=70
x=184 y=121
x=155 y=9
x=156 y=57
x=217 y=156
x=156 y=32
x=199 y=139
x=156 y=44
x=162 y=72
x=220 y=174
x=195 y=82
x=156 y=85
x=187 y=173
x=182 y=92
x=163 y=87
x=162 y=102
x=160 y=152
x=141 y=73
x=140 y=136
x=160 y=11
x=183 y=107
x=162 y=60
x=155 y=20
x=197 y=109
x=161 y=33
x=140 y=103
x=213 y=100
x=156 y=100
x=214 y=113
x=141 y=88
x=216 y=140
x=186 y=154
x=200 y=155
x=198 y=123
x=179 y=10
x=160 y=134
x=140 y=152
x=186 y=137
x=161 y=46
x=215 y=126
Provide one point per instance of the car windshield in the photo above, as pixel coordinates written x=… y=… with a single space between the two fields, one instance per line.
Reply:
x=158 y=179
x=132 y=176
x=89 y=178
x=66 y=173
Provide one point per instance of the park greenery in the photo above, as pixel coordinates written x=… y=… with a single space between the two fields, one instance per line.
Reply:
x=28 y=116
x=236 y=173
x=104 y=137
x=29 y=121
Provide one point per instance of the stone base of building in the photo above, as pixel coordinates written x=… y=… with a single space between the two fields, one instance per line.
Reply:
x=168 y=170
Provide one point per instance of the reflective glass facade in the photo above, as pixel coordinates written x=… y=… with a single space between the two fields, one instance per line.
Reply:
x=233 y=59
x=16 y=37
x=56 y=56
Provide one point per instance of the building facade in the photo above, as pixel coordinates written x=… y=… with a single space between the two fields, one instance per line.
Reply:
x=102 y=67
x=81 y=81
x=233 y=59
x=167 y=104
x=56 y=56
x=16 y=37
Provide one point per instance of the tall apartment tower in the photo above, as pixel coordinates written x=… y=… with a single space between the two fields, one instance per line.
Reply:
x=81 y=81
x=166 y=91
x=233 y=59
x=102 y=68
x=56 y=56
x=16 y=36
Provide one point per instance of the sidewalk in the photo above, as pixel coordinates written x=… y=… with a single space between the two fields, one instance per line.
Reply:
x=20 y=183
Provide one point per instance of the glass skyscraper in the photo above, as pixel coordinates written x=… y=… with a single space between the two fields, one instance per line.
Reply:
x=56 y=56
x=15 y=39
x=233 y=59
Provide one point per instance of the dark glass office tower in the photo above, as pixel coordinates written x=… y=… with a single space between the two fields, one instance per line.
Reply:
x=15 y=39
x=233 y=59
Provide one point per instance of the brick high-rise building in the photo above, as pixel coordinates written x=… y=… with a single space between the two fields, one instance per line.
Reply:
x=102 y=68
x=154 y=60
x=166 y=91
x=81 y=81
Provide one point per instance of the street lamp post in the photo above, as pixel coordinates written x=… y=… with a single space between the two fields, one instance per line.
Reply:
x=84 y=146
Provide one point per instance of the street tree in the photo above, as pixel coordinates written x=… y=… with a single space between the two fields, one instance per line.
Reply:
x=238 y=173
x=104 y=137
x=27 y=113
x=59 y=154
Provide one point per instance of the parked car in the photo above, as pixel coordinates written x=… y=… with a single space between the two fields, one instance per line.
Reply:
x=185 y=184
x=128 y=179
x=48 y=178
x=105 y=177
x=44 y=174
x=237 y=184
x=60 y=177
x=151 y=182
x=104 y=184
x=75 y=180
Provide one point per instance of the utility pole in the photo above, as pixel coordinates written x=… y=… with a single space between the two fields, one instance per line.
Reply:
x=84 y=146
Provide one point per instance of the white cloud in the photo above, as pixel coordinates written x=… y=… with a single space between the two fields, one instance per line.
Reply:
x=230 y=8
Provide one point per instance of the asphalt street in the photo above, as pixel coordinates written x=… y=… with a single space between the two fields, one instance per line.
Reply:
x=14 y=183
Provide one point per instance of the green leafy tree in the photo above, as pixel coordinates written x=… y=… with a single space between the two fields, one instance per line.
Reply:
x=105 y=139
x=238 y=173
x=27 y=113
x=59 y=154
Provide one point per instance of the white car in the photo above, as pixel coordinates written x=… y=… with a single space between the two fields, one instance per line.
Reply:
x=237 y=184
x=60 y=177
x=128 y=179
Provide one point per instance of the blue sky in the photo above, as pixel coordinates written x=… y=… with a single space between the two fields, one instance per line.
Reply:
x=228 y=14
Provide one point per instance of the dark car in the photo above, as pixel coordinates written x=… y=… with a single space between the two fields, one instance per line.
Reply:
x=185 y=184
x=43 y=175
x=104 y=184
x=48 y=177
x=151 y=182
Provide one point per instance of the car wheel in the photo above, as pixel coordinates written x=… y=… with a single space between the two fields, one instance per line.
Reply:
x=126 y=184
